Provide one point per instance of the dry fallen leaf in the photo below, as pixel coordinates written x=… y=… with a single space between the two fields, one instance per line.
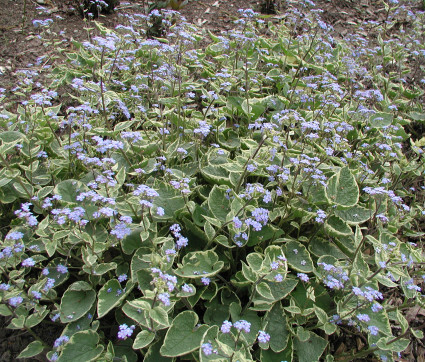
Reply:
x=216 y=4
x=414 y=312
x=201 y=22
x=341 y=349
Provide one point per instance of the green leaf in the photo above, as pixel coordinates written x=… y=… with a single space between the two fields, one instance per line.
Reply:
x=381 y=119
x=110 y=295
x=169 y=199
x=354 y=215
x=335 y=226
x=101 y=269
x=264 y=290
x=209 y=230
x=379 y=319
x=267 y=355
x=153 y=354
x=282 y=289
x=417 y=116
x=183 y=336
x=397 y=346
x=199 y=264
x=33 y=349
x=9 y=139
x=417 y=333
x=403 y=321
x=37 y=317
x=316 y=346
x=216 y=175
x=321 y=314
x=342 y=188
x=132 y=241
x=277 y=328
x=302 y=334
x=267 y=232
x=143 y=339
x=298 y=257
x=209 y=337
x=216 y=313
x=81 y=347
x=159 y=315
x=76 y=301
x=250 y=316
x=69 y=190
x=218 y=204
x=138 y=311
x=319 y=247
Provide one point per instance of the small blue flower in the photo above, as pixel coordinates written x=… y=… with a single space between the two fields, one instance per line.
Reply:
x=263 y=337
x=373 y=330
x=363 y=317
x=60 y=341
x=303 y=277
x=225 y=327
x=29 y=262
x=164 y=298
x=242 y=325
x=62 y=269
x=125 y=331
x=205 y=280
x=207 y=349
x=15 y=301
x=278 y=278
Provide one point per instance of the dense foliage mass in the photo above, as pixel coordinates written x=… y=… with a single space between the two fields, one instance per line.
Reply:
x=234 y=201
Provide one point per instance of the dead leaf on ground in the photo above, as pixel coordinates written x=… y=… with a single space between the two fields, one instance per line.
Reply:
x=414 y=312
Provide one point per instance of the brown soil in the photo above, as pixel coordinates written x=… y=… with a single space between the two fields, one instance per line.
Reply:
x=20 y=45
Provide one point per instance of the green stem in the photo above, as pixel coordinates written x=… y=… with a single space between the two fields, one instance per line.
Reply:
x=246 y=164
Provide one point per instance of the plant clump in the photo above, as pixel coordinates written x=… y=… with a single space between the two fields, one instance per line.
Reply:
x=234 y=201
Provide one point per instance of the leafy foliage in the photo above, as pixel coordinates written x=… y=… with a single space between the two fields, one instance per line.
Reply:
x=237 y=201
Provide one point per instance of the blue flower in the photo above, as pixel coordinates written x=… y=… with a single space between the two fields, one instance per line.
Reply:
x=242 y=325
x=164 y=298
x=205 y=280
x=263 y=337
x=225 y=327
x=60 y=341
x=62 y=269
x=207 y=349
x=303 y=277
x=363 y=317
x=373 y=330
x=28 y=262
x=125 y=331
x=15 y=301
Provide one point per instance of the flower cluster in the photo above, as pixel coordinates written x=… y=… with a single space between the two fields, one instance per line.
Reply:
x=181 y=241
x=334 y=277
x=125 y=331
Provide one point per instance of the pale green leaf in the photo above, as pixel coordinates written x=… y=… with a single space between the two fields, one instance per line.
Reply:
x=183 y=336
x=342 y=188
x=33 y=349
x=143 y=339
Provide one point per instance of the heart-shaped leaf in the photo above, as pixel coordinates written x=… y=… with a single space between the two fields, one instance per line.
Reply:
x=183 y=336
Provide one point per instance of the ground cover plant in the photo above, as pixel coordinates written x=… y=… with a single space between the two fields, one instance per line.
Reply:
x=257 y=198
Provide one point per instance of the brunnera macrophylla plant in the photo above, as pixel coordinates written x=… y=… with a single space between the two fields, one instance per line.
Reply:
x=231 y=202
